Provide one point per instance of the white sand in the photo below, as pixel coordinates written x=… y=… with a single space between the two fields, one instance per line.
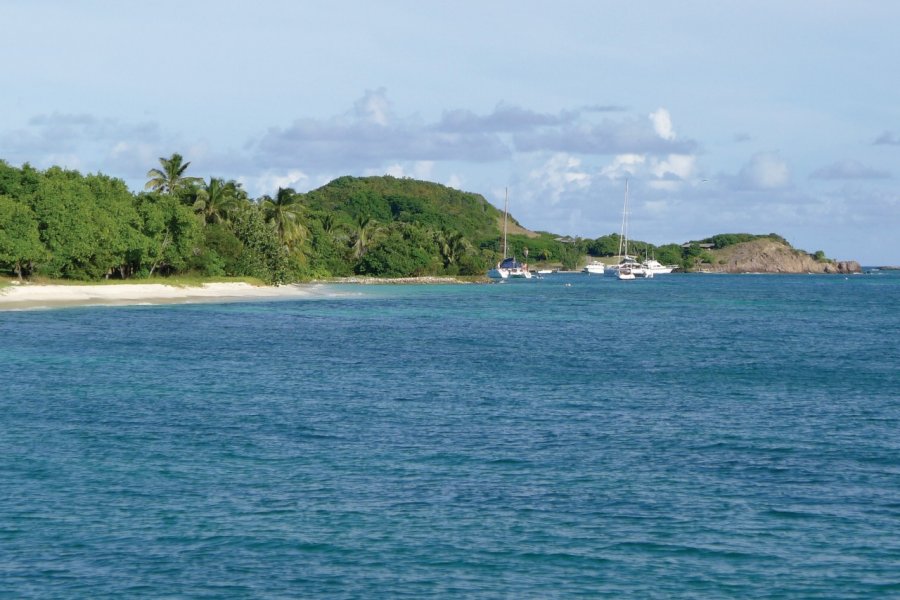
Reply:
x=25 y=296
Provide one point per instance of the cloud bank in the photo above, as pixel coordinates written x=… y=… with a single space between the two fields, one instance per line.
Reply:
x=849 y=169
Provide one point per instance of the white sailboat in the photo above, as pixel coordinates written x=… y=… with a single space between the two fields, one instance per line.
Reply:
x=508 y=267
x=628 y=267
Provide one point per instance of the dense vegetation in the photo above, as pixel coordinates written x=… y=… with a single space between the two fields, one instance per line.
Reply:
x=59 y=223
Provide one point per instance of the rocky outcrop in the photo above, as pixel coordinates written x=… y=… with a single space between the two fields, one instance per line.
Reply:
x=843 y=266
x=771 y=256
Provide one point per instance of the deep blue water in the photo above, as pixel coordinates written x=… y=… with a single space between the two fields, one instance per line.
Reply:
x=687 y=436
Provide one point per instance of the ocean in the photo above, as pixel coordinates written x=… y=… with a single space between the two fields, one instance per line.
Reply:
x=689 y=436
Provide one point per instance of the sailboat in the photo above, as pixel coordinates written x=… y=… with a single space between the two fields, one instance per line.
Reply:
x=509 y=267
x=628 y=267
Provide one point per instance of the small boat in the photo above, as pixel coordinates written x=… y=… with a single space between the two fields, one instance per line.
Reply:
x=657 y=268
x=624 y=273
x=594 y=268
x=509 y=267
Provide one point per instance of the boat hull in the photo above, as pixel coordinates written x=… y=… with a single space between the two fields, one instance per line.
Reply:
x=510 y=268
x=509 y=274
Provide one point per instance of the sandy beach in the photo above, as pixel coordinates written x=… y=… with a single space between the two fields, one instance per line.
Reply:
x=30 y=296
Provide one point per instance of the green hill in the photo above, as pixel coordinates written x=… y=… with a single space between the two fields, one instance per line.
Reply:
x=389 y=199
x=417 y=228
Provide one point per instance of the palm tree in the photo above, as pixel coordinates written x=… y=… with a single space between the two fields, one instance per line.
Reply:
x=332 y=228
x=171 y=177
x=364 y=234
x=452 y=245
x=283 y=213
x=328 y=224
x=217 y=199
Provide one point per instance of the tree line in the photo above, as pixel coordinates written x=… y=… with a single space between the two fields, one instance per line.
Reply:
x=58 y=223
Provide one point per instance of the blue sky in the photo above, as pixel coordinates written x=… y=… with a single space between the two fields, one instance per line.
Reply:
x=726 y=116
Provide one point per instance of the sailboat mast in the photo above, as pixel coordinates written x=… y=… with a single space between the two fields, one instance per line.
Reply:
x=625 y=219
x=505 y=220
x=623 y=236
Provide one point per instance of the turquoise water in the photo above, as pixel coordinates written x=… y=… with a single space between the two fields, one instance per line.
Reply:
x=687 y=436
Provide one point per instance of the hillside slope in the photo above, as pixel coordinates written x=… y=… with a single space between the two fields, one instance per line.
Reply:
x=772 y=256
x=389 y=199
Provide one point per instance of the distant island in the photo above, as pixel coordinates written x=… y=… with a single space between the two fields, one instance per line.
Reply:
x=770 y=254
x=60 y=224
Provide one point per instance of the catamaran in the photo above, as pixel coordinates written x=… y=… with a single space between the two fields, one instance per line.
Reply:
x=628 y=267
x=509 y=267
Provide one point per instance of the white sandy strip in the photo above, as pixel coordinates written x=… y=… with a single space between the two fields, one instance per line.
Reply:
x=37 y=296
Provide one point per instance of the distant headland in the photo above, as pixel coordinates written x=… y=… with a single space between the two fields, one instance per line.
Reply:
x=770 y=254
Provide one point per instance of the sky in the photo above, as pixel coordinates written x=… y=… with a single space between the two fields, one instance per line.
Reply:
x=724 y=116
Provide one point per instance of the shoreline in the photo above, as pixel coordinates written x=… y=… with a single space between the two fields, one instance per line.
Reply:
x=31 y=296
x=28 y=296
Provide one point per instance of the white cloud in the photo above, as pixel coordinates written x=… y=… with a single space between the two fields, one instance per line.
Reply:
x=371 y=137
x=455 y=181
x=679 y=165
x=374 y=107
x=630 y=135
x=421 y=169
x=764 y=171
x=672 y=171
x=269 y=182
x=505 y=117
x=662 y=124
x=624 y=165
x=560 y=174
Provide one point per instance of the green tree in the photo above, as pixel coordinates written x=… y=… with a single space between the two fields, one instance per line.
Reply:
x=329 y=254
x=173 y=234
x=82 y=222
x=401 y=252
x=607 y=245
x=452 y=245
x=263 y=256
x=170 y=179
x=670 y=254
x=20 y=242
x=217 y=199
x=221 y=252
x=365 y=231
x=18 y=183
x=119 y=240
x=570 y=257
x=284 y=213
x=330 y=225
